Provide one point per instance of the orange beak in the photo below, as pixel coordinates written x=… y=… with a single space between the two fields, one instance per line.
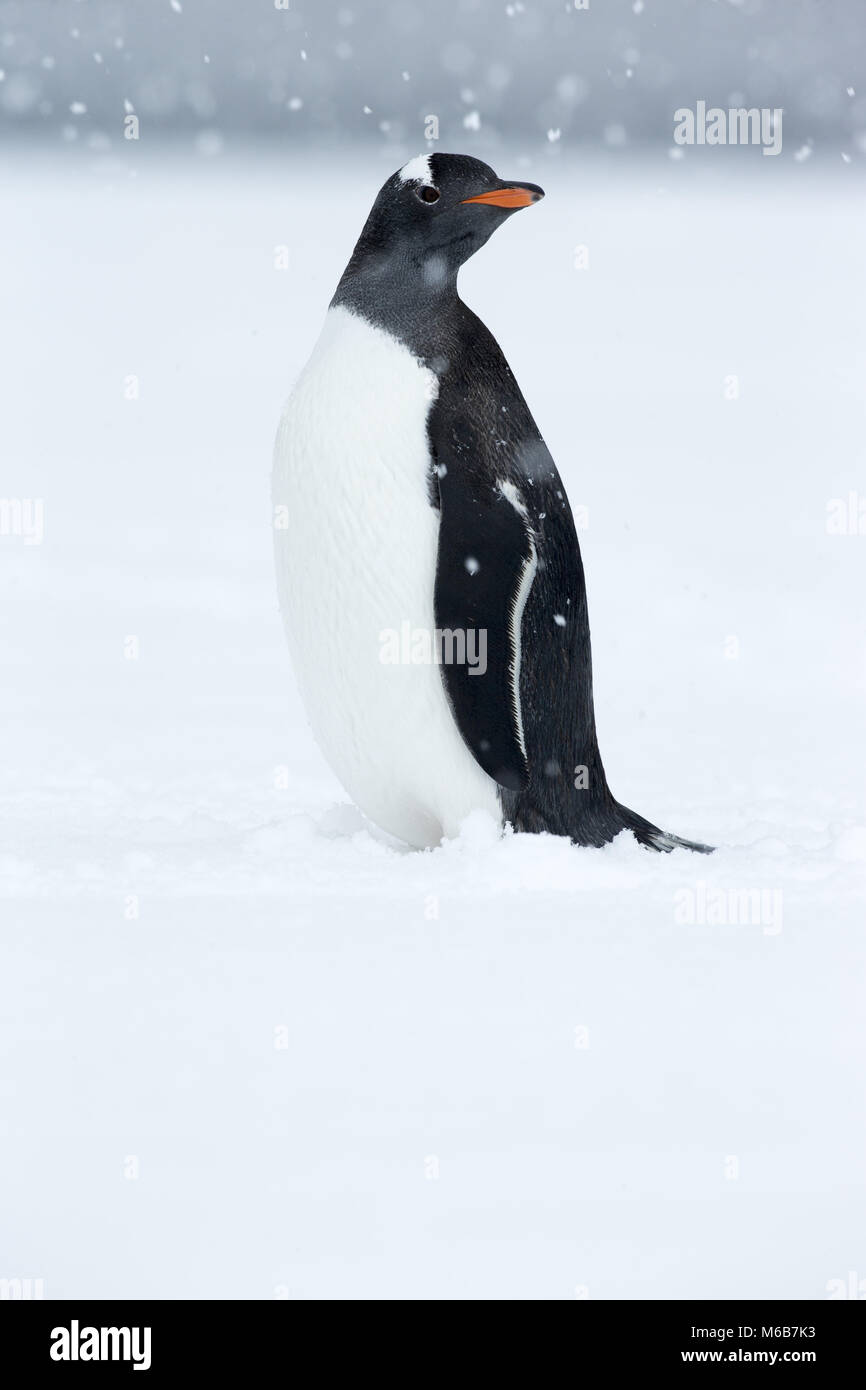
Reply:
x=519 y=196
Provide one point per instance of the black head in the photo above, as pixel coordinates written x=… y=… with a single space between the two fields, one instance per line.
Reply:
x=431 y=216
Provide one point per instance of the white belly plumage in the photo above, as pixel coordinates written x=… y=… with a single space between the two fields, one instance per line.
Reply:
x=356 y=542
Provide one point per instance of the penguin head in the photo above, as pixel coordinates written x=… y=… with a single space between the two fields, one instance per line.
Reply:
x=438 y=210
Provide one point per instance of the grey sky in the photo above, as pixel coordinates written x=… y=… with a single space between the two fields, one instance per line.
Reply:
x=615 y=71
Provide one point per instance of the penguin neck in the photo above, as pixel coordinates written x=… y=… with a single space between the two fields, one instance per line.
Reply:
x=403 y=294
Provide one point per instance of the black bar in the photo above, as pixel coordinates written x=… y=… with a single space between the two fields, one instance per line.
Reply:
x=220 y=1339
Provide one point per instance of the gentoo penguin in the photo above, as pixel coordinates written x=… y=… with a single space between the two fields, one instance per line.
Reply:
x=428 y=568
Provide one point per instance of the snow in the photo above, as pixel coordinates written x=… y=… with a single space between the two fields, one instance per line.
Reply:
x=417 y=170
x=505 y=1068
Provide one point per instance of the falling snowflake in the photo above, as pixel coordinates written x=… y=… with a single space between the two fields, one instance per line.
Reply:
x=472 y=565
x=472 y=121
x=209 y=143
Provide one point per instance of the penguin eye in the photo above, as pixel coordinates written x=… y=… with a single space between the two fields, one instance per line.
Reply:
x=428 y=194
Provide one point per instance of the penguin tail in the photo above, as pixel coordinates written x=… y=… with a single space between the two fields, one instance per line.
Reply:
x=661 y=841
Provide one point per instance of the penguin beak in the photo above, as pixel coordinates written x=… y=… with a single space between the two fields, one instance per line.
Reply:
x=509 y=195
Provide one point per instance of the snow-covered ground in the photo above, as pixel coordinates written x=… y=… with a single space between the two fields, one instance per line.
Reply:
x=508 y=1067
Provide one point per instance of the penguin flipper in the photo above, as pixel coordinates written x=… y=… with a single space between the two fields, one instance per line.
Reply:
x=485 y=568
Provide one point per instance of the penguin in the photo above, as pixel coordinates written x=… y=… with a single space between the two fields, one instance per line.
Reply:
x=428 y=566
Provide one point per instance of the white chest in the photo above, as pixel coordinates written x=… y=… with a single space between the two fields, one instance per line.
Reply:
x=356 y=542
